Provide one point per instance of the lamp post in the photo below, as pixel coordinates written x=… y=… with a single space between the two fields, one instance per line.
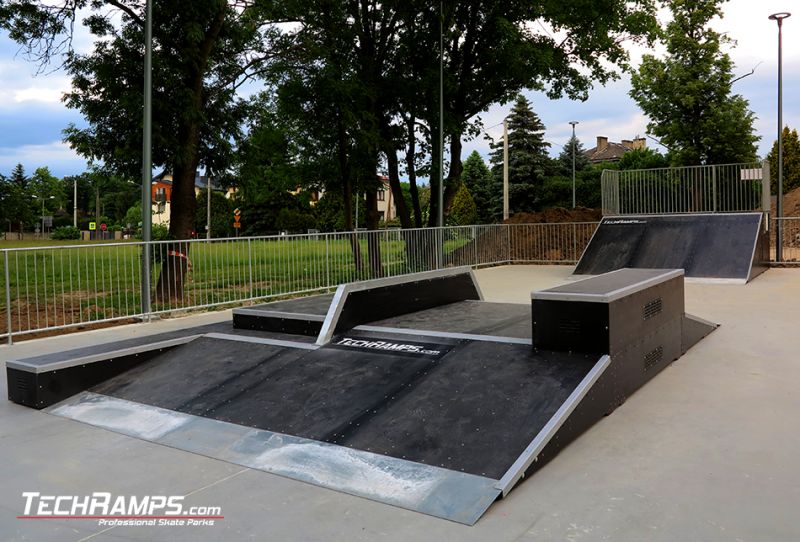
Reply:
x=147 y=161
x=573 y=123
x=779 y=17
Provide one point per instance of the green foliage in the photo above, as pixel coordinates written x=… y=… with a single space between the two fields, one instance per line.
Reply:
x=271 y=212
x=556 y=191
x=688 y=95
x=221 y=215
x=329 y=212
x=642 y=159
x=791 y=161
x=528 y=160
x=564 y=160
x=16 y=205
x=479 y=182
x=65 y=232
x=463 y=212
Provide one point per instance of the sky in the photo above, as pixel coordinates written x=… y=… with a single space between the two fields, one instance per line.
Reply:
x=32 y=115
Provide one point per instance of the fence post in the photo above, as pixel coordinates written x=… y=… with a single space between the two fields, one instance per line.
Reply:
x=508 y=243
x=714 y=188
x=8 y=298
x=250 y=265
x=327 y=260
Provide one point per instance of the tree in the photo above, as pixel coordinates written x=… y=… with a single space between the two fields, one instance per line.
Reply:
x=17 y=204
x=464 y=211
x=642 y=159
x=201 y=56
x=478 y=179
x=564 y=159
x=528 y=161
x=791 y=161
x=688 y=94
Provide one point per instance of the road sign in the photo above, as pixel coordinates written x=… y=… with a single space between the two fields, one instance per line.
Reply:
x=237 y=212
x=103 y=226
x=237 y=225
x=92 y=226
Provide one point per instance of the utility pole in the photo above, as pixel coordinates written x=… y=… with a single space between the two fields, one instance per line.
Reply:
x=505 y=169
x=75 y=202
x=574 y=144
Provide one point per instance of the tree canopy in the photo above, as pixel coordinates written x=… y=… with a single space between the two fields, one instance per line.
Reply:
x=528 y=159
x=791 y=161
x=688 y=94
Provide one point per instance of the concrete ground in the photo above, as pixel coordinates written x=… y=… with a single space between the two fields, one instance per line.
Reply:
x=708 y=450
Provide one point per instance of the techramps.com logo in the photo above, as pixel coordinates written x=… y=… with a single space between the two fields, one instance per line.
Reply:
x=120 y=510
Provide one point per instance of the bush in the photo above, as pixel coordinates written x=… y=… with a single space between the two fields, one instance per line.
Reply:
x=66 y=232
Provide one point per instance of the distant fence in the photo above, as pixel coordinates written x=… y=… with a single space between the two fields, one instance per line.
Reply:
x=694 y=189
x=67 y=286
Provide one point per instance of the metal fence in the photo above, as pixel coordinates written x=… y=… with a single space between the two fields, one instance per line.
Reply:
x=791 y=239
x=694 y=189
x=67 y=286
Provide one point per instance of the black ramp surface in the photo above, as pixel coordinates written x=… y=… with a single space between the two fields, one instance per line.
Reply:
x=473 y=317
x=314 y=304
x=183 y=378
x=705 y=246
x=478 y=410
x=469 y=406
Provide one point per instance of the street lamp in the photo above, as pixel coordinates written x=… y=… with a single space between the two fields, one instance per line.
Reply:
x=573 y=123
x=147 y=160
x=779 y=17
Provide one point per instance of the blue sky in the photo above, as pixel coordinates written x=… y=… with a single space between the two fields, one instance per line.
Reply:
x=32 y=116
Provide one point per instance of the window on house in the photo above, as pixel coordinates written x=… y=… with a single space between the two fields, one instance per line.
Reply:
x=161 y=195
x=381 y=195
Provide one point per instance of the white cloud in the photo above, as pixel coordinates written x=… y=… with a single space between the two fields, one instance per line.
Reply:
x=58 y=156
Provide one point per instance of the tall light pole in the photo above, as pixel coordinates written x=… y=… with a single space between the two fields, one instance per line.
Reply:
x=573 y=123
x=147 y=161
x=505 y=170
x=440 y=217
x=75 y=202
x=779 y=17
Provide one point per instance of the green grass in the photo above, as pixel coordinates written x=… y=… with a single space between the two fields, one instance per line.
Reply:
x=93 y=281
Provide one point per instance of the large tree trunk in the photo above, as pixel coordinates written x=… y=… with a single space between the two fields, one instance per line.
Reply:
x=397 y=191
x=347 y=194
x=175 y=257
x=411 y=151
x=454 y=175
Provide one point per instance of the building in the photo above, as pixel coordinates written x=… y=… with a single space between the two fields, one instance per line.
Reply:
x=610 y=151
x=161 y=194
x=386 y=207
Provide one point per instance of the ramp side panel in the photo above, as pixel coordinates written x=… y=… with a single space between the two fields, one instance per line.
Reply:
x=434 y=491
x=364 y=302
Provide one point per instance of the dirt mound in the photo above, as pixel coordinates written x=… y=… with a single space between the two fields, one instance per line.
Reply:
x=556 y=215
x=791 y=203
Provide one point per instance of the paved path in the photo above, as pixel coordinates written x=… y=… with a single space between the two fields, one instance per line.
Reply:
x=706 y=451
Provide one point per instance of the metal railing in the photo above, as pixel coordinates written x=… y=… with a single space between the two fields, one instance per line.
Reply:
x=694 y=189
x=56 y=287
x=66 y=286
x=790 y=234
